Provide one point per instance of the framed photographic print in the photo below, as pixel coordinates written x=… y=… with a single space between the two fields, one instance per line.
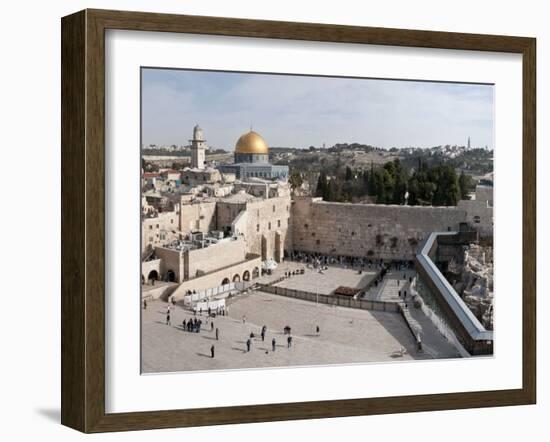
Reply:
x=268 y=220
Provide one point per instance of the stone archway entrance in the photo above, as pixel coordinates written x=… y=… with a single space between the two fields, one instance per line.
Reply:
x=237 y=278
x=171 y=276
x=246 y=275
x=225 y=281
x=153 y=276
x=256 y=272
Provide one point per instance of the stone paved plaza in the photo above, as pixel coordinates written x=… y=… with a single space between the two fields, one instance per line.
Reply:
x=346 y=336
x=327 y=281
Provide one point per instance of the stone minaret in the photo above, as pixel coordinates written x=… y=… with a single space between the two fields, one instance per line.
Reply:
x=198 y=148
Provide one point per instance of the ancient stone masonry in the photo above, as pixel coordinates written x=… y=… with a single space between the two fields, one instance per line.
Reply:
x=377 y=231
x=475 y=281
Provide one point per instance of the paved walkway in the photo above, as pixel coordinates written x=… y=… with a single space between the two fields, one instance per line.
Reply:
x=347 y=336
x=328 y=280
x=388 y=290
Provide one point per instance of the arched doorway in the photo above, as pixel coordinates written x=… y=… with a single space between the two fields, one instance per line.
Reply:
x=170 y=276
x=153 y=276
x=237 y=278
x=225 y=281
x=246 y=275
x=256 y=272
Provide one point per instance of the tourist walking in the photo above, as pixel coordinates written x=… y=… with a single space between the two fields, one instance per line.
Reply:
x=273 y=344
x=168 y=317
x=183 y=324
x=289 y=342
x=244 y=319
x=217 y=334
x=144 y=304
x=317 y=330
x=212 y=349
x=212 y=326
x=248 y=344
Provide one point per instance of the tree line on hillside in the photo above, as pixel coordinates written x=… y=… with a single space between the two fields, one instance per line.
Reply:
x=391 y=183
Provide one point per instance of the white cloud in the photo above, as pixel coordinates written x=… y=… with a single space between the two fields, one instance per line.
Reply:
x=300 y=111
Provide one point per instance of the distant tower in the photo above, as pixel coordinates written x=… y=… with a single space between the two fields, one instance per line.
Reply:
x=198 y=148
x=468 y=143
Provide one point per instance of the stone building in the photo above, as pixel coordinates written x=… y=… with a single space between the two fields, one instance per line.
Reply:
x=252 y=159
x=159 y=229
x=218 y=231
x=198 y=148
x=196 y=176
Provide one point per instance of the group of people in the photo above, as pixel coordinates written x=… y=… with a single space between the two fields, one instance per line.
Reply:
x=193 y=325
x=289 y=273
x=320 y=260
x=218 y=311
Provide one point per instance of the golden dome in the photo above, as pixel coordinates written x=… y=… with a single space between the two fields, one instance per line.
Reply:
x=251 y=142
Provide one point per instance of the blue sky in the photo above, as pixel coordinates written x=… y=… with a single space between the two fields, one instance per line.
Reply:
x=299 y=111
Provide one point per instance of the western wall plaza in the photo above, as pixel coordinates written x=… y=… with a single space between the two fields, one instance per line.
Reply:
x=243 y=267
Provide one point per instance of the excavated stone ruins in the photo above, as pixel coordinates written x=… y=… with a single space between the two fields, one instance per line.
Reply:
x=475 y=284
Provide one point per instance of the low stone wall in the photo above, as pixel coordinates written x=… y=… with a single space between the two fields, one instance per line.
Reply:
x=216 y=278
x=162 y=292
x=341 y=301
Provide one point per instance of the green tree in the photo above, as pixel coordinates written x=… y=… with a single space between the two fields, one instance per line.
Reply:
x=295 y=179
x=447 y=191
x=365 y=183
x=466 y=184
x=349 y=173
x=322 y=185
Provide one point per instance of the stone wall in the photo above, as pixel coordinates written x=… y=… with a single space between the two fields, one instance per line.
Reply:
x=479 y=214
x=170 y=260
x=216 y=278
x=227 y=252
x=263 y=222
x=200 y=216
x=149 y=266
x=484 y=193
x=379 y=231
x=267 y=225
x=159 y=230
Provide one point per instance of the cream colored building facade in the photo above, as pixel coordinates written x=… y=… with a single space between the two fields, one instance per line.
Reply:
x=209 y=240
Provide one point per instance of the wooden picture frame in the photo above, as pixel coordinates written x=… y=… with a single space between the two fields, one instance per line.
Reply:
x=83 y=220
